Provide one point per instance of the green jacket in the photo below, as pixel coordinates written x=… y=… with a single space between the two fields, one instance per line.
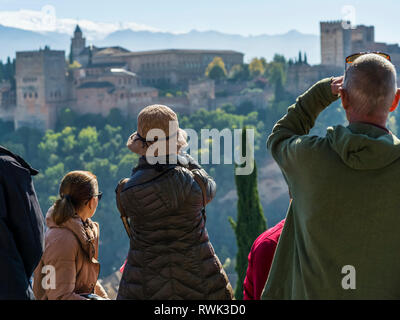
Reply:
x=345 y=210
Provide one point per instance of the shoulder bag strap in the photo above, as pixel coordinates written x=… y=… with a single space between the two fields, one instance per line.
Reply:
x=122 y=212
x=204 y=193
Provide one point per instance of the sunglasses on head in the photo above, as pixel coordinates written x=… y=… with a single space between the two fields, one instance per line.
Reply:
x=353 y=57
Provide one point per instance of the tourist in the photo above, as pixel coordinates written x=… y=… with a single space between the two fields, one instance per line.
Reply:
x=21 y=227
x=69 y=268
x=341 y=238
x=170 y=254
x=259 y=262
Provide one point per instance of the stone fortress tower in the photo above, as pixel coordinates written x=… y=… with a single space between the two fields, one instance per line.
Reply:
x=41 y=87
x=78 y=44
x=339 y=40
x=335 y=43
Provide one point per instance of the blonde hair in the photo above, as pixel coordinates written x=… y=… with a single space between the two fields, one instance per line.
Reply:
x=76 y=188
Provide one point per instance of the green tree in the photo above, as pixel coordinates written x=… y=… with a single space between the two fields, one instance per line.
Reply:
x=9 y=72
x=279 y=89
x=276 y=75
x=250 y=219
x=216 y=69
x=74 y=65
x=88 y=137
x=278 y=58
x=264 y=62
x=71 y=56
x=239 y=72
x=228 y=108
x=256 y=67
x=1 y=71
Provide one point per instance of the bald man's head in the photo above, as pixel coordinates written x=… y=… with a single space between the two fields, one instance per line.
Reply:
x=371 y=85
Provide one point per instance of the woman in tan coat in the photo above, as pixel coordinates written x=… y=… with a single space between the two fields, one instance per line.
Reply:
x=69 y=268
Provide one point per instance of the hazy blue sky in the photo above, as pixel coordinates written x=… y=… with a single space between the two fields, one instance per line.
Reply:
x=239 y=17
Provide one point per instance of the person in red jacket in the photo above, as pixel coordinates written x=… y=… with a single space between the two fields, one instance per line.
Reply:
x=260 y=260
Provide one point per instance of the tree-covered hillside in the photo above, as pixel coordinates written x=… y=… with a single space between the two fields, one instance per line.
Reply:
x=98 y=144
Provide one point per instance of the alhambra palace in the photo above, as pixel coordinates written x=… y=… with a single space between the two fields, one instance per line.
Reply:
x=113 y=77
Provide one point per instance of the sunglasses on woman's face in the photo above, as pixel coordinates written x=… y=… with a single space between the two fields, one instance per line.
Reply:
x=353 y=57
x=99 y=195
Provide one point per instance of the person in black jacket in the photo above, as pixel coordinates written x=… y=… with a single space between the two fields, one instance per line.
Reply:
x=170 y=256
x=21 y=227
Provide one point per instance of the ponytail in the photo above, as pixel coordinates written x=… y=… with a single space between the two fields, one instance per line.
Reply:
x=63 y=210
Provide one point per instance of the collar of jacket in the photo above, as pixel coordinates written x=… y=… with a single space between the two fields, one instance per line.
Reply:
x=180 y=159
x=21 y=161
x=369 y=129
x=145 y=172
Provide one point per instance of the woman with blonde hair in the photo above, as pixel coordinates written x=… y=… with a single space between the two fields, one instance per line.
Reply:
x=69 y=268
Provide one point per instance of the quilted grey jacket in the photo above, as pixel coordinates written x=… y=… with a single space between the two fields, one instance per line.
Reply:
x=170 y=254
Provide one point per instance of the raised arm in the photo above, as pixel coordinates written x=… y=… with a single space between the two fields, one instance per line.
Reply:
x=301 y=117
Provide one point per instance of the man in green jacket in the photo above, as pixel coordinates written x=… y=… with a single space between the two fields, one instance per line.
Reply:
x=341 y=239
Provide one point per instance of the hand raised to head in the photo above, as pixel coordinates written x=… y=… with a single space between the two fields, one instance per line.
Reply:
x=336 y=84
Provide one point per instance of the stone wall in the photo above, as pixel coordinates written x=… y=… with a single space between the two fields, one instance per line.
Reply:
x=178 y=104
x=101 y=98
x=301 y=77
x=335 y=43
x=201 y=93
x=41 y=87
x=260 y=99
x=172 y=67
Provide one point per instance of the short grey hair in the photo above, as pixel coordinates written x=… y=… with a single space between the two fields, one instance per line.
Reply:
x=371 y=83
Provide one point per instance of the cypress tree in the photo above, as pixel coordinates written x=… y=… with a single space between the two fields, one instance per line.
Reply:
x=12 y=79
x=279 y=91
x=250 y=219
x=8 y=70
x=71 y=56
x=1 y=71
x=90 y=54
